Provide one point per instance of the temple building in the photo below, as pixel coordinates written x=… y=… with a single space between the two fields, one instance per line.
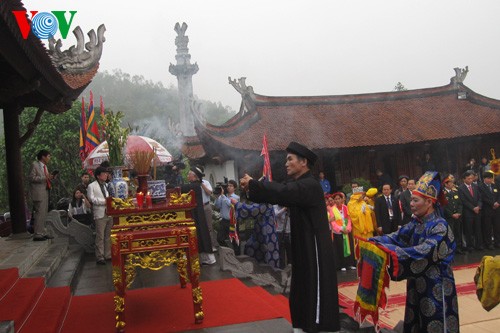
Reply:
x=353 y=135
x=34 y=76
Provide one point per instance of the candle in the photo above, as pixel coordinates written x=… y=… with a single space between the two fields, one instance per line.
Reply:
x=140 y=199
x=149 y=200
x=154 y=164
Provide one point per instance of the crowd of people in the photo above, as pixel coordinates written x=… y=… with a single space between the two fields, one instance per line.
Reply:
x=300 y=222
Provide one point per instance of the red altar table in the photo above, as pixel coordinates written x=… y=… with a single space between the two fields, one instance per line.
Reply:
x=153 y=238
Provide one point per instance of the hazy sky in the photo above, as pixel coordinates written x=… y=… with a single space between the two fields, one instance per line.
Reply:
x=291 y=47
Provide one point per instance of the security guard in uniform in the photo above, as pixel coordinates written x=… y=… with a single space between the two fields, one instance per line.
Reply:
x=453 y=212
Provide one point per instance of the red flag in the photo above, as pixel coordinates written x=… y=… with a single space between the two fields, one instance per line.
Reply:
x=101 y=105
x=83 y=131
x=266 y=171
x=92 y=129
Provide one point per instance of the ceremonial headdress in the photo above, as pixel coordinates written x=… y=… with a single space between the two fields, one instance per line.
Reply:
x=342 y=195
x=429 y=186
x=303 y=151
x=371 y=192
x=447 y=179
x=358 y=189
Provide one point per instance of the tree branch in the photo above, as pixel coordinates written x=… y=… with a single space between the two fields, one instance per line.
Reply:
x=31 y=127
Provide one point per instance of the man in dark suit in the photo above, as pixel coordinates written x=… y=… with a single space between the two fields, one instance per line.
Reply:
x=471 y=200
x=387 y=211
x=491 y=201
x=405 y=198
x=453 y=212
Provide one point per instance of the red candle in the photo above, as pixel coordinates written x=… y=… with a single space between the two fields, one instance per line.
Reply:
x=140 y=199
x=149 y=201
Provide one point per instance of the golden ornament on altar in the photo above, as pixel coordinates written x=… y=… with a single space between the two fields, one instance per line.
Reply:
x=494 y=163
x=118 y=203
x=179 y=199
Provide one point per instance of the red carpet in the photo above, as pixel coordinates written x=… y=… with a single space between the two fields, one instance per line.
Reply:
x=8 y=278
x=170 y=309
x=21 y=299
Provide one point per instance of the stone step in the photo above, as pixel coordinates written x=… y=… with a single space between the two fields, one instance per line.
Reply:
x=70 y=268
x=21 y=251
x=49 y=261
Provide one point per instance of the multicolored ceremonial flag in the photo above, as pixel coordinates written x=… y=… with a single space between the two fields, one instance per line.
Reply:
x=374 y=278
x=83 y=131
x=233 y=225
x=266 y=171
x=92 y=129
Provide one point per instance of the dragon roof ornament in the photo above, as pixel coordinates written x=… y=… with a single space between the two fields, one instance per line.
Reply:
x=460 y=74
x=246 y=92
x=82 y=57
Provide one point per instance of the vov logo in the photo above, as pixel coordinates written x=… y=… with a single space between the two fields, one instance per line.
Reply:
x=44 y=25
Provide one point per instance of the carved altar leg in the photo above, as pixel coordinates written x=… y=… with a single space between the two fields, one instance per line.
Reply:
x=119 y=282
x=194 y=275
x=182 y=268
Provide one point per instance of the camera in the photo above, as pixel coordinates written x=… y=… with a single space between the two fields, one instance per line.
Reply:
x=219 y=187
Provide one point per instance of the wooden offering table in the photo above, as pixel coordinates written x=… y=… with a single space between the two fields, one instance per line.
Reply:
x=153 y=238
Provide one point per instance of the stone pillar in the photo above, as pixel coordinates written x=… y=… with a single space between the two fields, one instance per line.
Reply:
x=184 y=71
x=17 y=200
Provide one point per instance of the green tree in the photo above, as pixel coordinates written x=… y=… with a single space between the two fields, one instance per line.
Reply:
x=59 y=134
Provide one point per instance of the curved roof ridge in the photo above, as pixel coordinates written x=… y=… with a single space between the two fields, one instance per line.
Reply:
x=352 y=98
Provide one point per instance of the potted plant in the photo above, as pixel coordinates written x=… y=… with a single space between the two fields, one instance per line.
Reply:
x=116 y=137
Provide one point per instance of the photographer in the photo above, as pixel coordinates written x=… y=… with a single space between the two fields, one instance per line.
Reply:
x=224 y=203
x=173 y=176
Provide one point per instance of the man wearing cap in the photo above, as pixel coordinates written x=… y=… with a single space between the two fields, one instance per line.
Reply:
x=425 y=249
x=195 y=175
x=97 y=193
x=313 y=293
x=453 y=212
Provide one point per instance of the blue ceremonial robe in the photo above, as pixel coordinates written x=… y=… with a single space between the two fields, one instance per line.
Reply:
x=263 y=244
x=425 y=249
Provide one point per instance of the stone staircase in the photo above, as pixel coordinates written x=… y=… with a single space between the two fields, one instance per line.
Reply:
x=28 y=269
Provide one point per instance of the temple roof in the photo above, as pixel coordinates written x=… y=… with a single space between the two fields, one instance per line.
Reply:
x=363 y=120
x=32 y=75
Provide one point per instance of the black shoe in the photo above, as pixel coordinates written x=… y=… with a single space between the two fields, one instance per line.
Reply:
x=48 y=237
x=480 y=248
x=459 y=252
x=39 y=239
x=468 y=249
x=101 y=262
